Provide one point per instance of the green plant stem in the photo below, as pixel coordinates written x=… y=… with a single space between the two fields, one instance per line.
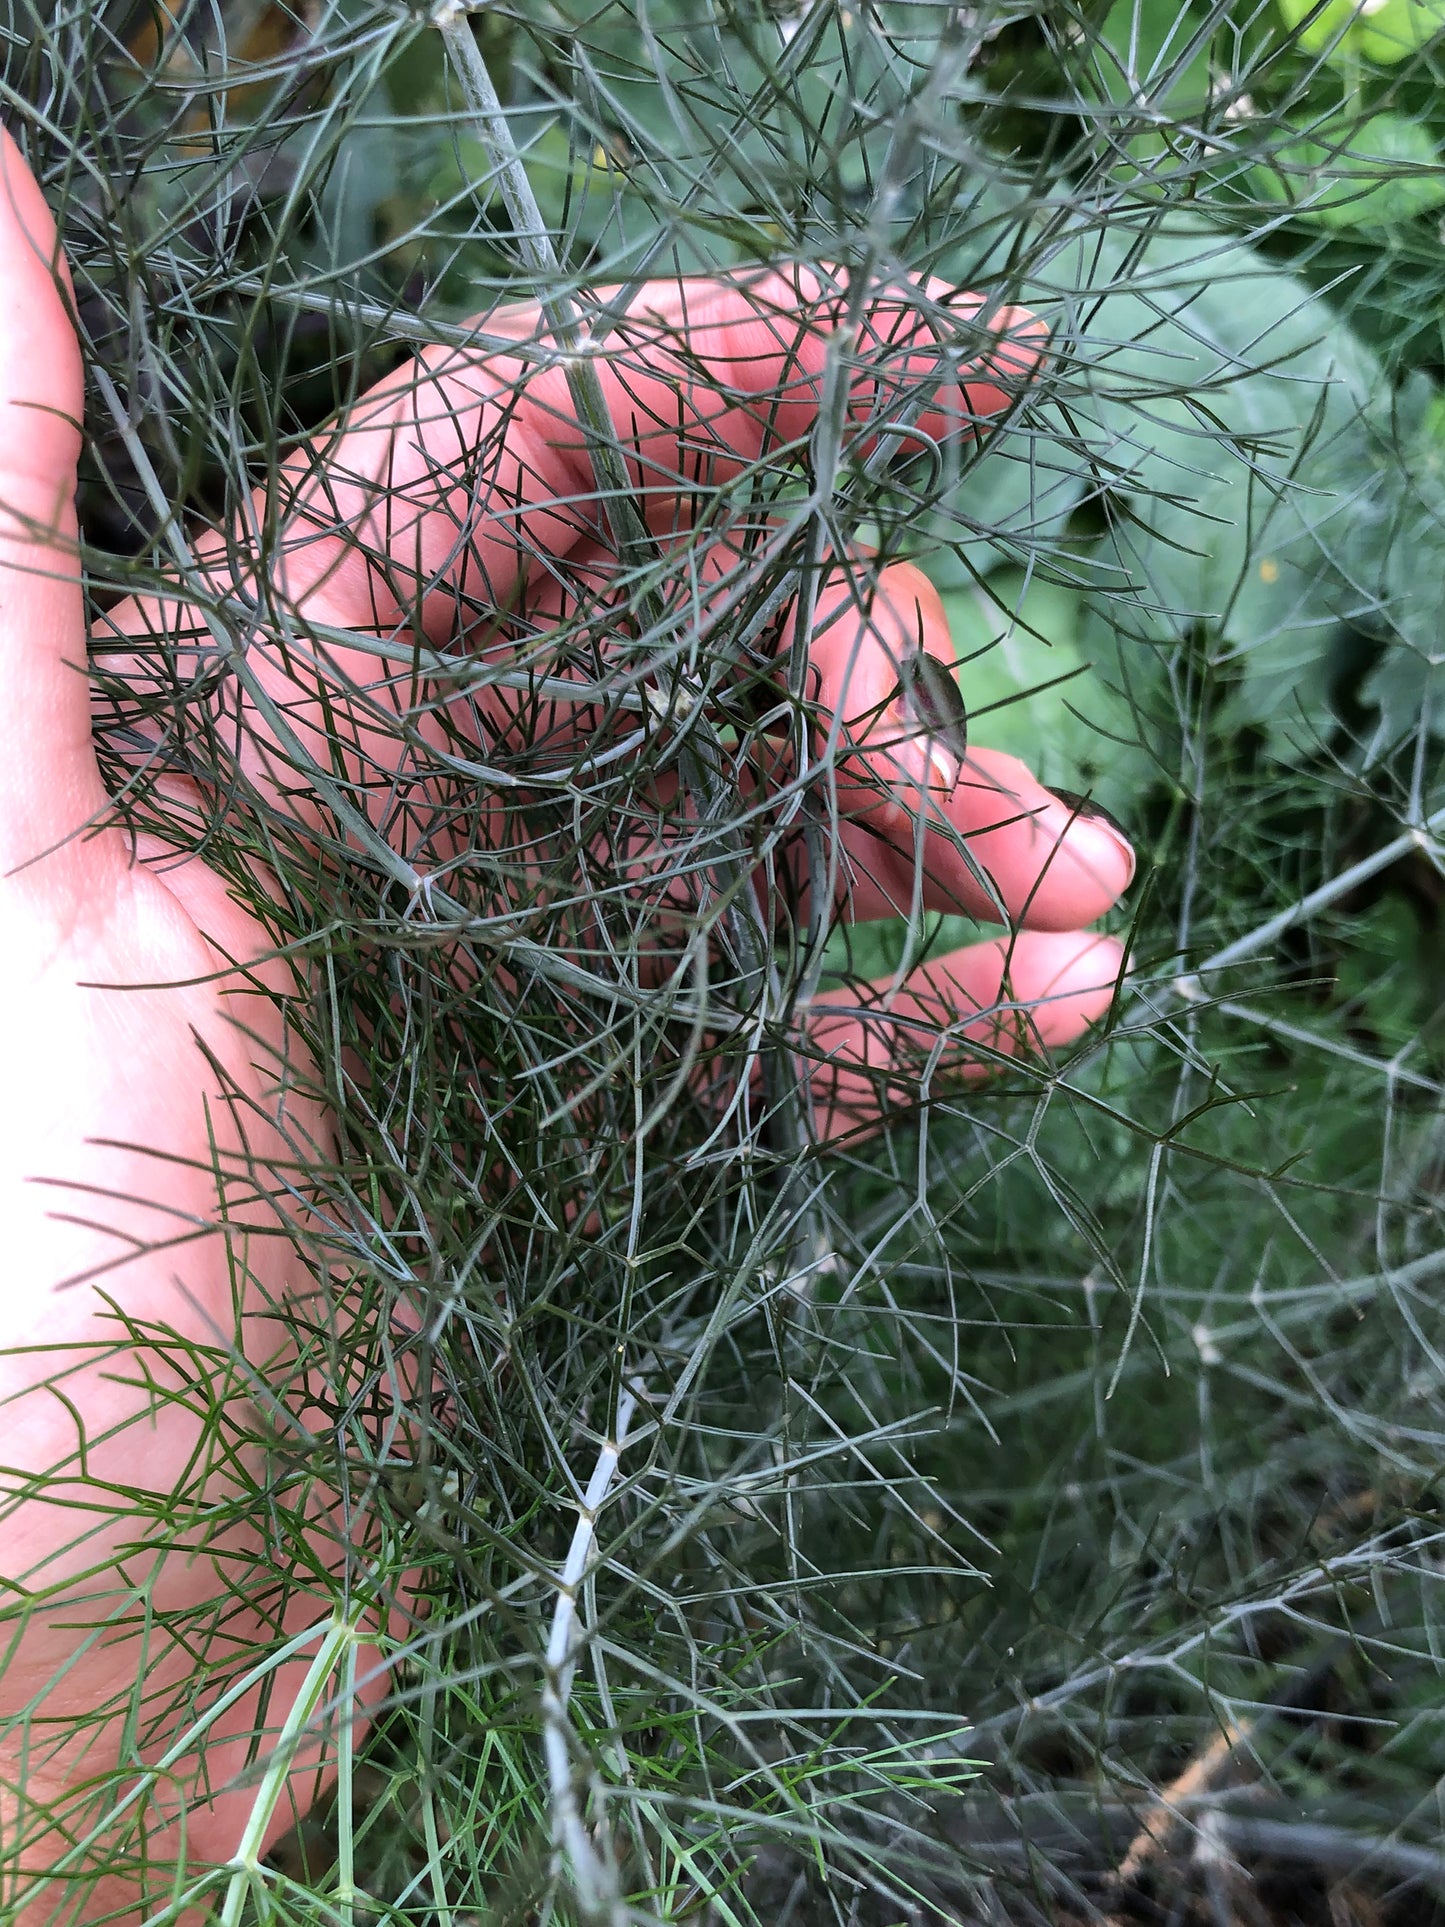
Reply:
x=1191 y=987
x=244 y=1868
x=593 y=1873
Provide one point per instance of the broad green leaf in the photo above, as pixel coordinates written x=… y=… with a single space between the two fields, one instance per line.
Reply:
x=1373 y=173
x=1237 y=421
x=1401 y=574
x=1382 y=31
x=1018 y=495
x=1035 y=670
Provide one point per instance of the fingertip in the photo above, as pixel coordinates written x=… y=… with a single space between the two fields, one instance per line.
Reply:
x=1006 y=349
x=1102 y=833
x=964 y=358
x=1066 y=980
x=1023 y=339
x=1056 y=861
x=1092 y=862
x=998 y=844
x=872 y=1046
x=894 y=742
x=1037 y=990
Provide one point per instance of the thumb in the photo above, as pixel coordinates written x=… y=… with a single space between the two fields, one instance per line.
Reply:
x=50 y=785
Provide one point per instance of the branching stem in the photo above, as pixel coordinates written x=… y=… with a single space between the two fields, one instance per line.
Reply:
x=1264 y=934
x=593 y=1874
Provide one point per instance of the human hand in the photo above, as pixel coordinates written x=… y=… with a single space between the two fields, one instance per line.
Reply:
x=154 y=1052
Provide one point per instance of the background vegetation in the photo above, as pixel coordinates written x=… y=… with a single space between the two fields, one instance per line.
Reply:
x=1068 y=1544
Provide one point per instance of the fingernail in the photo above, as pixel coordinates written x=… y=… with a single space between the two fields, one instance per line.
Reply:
x=1092 y=812
x=943 y=768
x=927 y=764
x=1086 y=806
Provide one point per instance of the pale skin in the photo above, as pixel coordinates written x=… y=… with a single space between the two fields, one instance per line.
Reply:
x=140 y=1056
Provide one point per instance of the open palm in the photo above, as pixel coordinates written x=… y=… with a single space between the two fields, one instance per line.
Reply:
x=157 y=1114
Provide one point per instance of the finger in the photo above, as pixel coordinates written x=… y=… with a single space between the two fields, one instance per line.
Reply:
x=468 y=474
x=993 y=842
x=49 y=783
x=448 y=495
x=874 y=1050
x=1000 y=847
